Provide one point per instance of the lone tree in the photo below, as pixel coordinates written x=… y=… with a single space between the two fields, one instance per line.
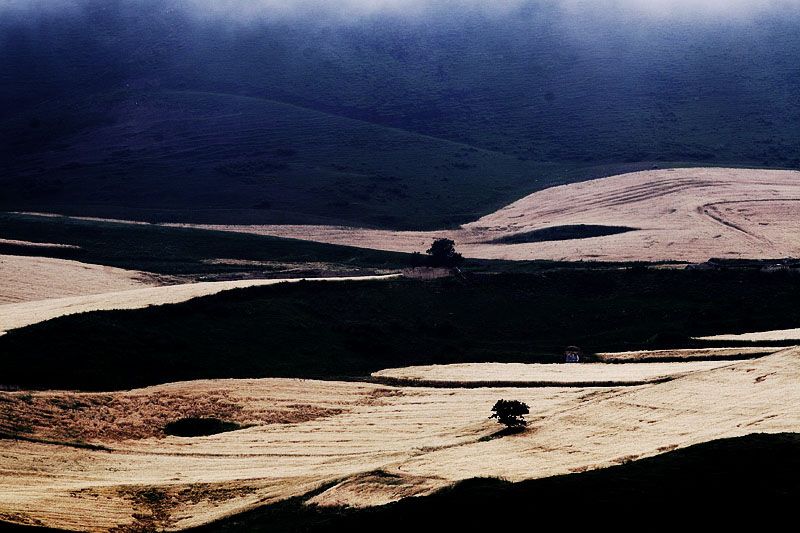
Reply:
x=510 y=413
x=443 y=253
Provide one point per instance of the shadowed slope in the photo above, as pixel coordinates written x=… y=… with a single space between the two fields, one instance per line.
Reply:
x=320 y=329
x=178 y=251
x=143 y=110
x=758 y=472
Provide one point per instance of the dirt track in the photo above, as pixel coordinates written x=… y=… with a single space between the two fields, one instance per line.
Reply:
x=310 y=433
x=679 y=214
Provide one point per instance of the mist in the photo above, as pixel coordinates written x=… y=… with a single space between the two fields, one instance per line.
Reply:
x=355 y=9
x=349 y=11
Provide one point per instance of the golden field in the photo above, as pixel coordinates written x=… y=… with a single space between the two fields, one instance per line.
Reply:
x=27 y=279
x=101 y=461
x=541 y=375
x=687 y=354
x=757 y=336
x=688 y=214
x=94 y=460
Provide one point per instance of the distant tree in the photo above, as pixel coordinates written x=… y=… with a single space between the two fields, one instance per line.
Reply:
x=443 y=253
x=510 y=413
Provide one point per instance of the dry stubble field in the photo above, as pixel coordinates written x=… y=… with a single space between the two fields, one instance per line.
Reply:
x=757 y=336
x=540 y=375
x=28 y=279
x=687 y=214
x=101 y=460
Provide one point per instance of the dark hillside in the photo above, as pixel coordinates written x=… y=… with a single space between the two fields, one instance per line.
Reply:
x=349 y=329
x=181 y=251
x=146 y=109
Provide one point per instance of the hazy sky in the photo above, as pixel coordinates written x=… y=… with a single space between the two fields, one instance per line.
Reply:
x=360 y=8
x=244 y=10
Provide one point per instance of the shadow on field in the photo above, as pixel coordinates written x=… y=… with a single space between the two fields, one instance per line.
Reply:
x=200 y=427
x=719 y=482
x=562 y=233
x=346 y=330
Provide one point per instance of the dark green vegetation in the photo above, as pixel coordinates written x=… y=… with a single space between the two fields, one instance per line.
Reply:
x=442 y=253
x=563 y=233
x=142 y=110
x=510 y=413
x=348 y=329
x=237 y=159
x=166 y=250
x=723 y=482
x=198 y=427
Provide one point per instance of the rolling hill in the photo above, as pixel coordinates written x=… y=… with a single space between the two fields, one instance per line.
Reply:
x=100 y=461
x=184 y=155
x=689 y=214
x=350 y=329
x=145 y=110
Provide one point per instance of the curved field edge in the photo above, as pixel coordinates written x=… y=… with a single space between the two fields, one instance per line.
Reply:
x=177 y=251
x=687 y=354
x=562 y=233
x=423 y=439
x=539 y=375
x=778 y=335
x=510 y=384
x=348 y=329
x=750 y=469
x=690 y=214
x=20 y=315
x=30 y=278
x=755 y=470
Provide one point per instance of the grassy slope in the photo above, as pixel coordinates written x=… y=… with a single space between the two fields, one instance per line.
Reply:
x=350 y=329
x=167 y=250
x=187 y=155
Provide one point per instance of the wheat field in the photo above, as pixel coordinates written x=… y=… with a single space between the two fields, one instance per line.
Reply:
x=101 y=460
x=540 y=375
x=757 y=336
x=27 y=279
x=684 y=214
x=688 y=354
